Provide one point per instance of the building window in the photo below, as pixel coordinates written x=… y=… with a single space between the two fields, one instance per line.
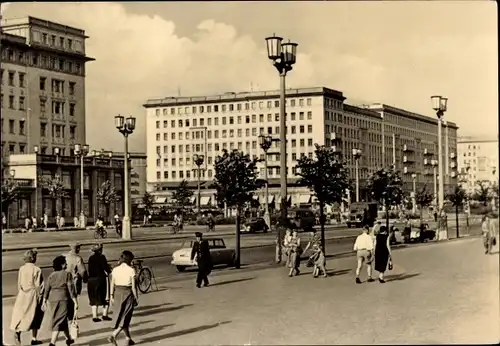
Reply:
x=1 y=76
x=70 y=44
x=21 y=80
x=1 y=101
x=72 y=88
x=71 y=109
x=21 y=127
x=21 y=148
x=11 y=78
x=309 y=115
x=12 y=148
x=21 y=103
x=42 y=83
x=43 y=130
x=11 y=101
x=309 y=128
x=61 y=42
x=11 y=126
x=42 y=105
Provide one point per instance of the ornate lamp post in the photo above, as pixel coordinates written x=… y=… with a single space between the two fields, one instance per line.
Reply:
x=198 y=161
x=414 y=197
x=81 y=151
x=434 y=164
x=284 y=56
x=265 y=143
x=356 y=153
x=126 y=127
x=439 y=104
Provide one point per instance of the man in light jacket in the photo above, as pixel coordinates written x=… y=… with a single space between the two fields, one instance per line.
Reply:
x=76 y=267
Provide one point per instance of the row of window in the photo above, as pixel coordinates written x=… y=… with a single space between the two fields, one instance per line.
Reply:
x=58 y=131
x=231 y=107
x=58 y=107
x=21 y=105
x=58 y=41
x=57 y=85
x=12 y=127
x=45 y=61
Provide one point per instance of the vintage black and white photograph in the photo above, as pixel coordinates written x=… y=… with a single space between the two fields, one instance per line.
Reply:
x=250 y=173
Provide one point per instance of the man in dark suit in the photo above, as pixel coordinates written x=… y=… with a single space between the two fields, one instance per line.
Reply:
x=202 y=252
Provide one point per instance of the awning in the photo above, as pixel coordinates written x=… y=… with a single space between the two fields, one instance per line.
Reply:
x=270 y=199
x=303 y=199
x=192 y=200
x=278 y=200
x=160 y=199
x=205 y=200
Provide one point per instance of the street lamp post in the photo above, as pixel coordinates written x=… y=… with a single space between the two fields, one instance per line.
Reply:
x=81 y=151
x=198 y=161
x=357 y=154
x=439 y=104
x=434 y=164
x=265 y=144
x=283 y=55
x=414 y=197
x=126 y=127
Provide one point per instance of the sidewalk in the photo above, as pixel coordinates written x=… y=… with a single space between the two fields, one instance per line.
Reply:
x=427 y=299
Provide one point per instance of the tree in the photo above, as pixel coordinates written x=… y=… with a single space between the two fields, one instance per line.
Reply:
x=327 y=177
x=482 y=193
x=148 y=201
x=55 y=187
x=457 y=197
x=385 y=187
x=182 y=195
x=107 y=195
x=235 y=182
x=10 y=190
x=423 y=199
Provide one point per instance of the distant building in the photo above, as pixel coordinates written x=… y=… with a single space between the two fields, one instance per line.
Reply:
x=43 y=86
x=178 y=127
x=478 y=160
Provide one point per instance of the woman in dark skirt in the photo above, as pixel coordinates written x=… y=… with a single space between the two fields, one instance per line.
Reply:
x=123 y=292
x=97 y=285
x=61 y=295
x=382 y=252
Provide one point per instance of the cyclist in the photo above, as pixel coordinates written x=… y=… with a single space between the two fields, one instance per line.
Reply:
x=99 y=225
x=210 y=222
x=178 y=222
x=118 y=225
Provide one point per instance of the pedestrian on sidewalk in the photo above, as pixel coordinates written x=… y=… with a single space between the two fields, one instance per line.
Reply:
x=98 y=283
x=364 y=251
x=76 y=222
x=488 y=231
x=34 y=222
x=76 y=267
x=62 y=300
x=45 y=220
x=295 y=251
x=317 y=258
x=58 y=221
x=382 y=253
x=123 y=293
x=201 y=252
x=27 y=313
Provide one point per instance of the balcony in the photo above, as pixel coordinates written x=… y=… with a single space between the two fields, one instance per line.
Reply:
x=407 y=159
x=58 y=140
x=453 y=174
x=453 y=164
x=25 y=182
x=408 y=170
x=452 y=155
x=427 y=162
x=335 y=149
x=58 y=117
x=333 y=136
x=427 y=152
x=406 y=148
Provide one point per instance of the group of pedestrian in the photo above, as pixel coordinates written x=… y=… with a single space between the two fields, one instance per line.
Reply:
x=57 y=298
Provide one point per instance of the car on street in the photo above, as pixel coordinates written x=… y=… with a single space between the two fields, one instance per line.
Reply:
x=221 y=255
x=254 y=225
x=400 y=235
x=302 y=218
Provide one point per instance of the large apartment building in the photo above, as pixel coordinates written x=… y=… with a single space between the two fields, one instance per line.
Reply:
x=179 y=127
x=43 y=86
x=478 y=160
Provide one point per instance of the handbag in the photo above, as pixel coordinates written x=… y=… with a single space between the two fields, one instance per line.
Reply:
x=390 y=267
x=74 y=329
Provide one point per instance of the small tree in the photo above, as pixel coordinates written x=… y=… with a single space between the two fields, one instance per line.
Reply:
x=423 y=199
x=107 y=195
x=457 y=197
x=385 y=186
x=182 y=195
x=148 y=201
x=327 y=177
x=482 y=193
x=10 y=190
x=55 y=187
x=235 y=182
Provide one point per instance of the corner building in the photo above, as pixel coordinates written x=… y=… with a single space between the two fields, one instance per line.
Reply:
x=43 y=86
x=179 y=127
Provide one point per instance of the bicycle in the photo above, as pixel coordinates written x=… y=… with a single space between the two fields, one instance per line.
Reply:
x=100 y=233
x=145 y=277
x=176 y=228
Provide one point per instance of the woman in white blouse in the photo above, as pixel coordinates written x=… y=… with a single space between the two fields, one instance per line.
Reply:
x=123 y=292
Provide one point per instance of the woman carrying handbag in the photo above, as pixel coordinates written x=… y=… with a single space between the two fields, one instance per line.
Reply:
x=382 y=253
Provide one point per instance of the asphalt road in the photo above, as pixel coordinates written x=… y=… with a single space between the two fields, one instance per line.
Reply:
x=162 y=268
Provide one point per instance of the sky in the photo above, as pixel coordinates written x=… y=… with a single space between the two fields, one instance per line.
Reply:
x=397 y=53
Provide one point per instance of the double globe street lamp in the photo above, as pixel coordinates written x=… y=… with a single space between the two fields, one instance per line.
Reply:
x=81 y=151
x=440 y=105
x=126 y=126
x=265 y=143
x=198 y=161
x=283 y=56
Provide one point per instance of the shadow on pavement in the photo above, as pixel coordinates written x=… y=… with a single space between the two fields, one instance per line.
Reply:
x=182 y=332
x=231 y=281
x=135 y=334
x=160 y=310
x=400 y=277
x=147 y=307
x=333 y=272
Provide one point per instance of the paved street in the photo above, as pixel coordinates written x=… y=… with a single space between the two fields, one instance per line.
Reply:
x=437 y=293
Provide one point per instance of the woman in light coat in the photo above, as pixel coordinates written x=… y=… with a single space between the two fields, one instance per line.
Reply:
x=27 y=313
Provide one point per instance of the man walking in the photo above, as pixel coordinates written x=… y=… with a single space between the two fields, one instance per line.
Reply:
x=201 y=251
x=364 y=248
x=76 y=267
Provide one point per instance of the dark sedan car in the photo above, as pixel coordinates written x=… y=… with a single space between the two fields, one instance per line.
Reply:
x=254 y=225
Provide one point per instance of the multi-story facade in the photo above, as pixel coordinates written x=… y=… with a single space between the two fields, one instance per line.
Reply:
x=478 y=160
x=43 y=86
x=179 y=127
x=34 y=199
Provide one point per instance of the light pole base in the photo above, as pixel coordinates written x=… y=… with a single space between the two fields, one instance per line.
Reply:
x=126 y=228
x=267 y=219
x=82 y=221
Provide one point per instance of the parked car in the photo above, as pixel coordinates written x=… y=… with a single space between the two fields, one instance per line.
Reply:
x=221 y=255
x=302 y=218
x=253 y=225
x=401 y=236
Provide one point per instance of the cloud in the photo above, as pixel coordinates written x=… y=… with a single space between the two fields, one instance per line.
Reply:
x=141 y=56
